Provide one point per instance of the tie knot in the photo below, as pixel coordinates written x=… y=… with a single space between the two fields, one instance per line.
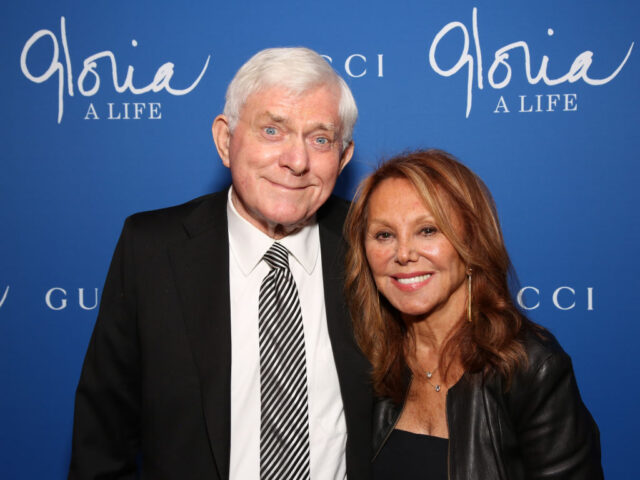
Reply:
x=277 y=257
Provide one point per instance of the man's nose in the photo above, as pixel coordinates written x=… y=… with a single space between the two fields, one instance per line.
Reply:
x=406 y=251
x=296 y=157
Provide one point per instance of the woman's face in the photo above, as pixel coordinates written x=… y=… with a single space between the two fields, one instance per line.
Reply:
x=414 y=265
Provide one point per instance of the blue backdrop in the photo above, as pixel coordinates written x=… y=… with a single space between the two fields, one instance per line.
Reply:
x=107 y=108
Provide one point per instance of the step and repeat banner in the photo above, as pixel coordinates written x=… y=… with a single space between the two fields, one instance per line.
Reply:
x=107 y=110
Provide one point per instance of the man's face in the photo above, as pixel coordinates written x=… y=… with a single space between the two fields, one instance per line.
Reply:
x=284 y=156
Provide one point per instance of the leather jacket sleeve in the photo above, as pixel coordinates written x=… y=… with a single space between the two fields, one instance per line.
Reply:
x=557 y=437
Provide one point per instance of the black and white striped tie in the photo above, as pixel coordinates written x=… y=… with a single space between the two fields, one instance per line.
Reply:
x=284 y=416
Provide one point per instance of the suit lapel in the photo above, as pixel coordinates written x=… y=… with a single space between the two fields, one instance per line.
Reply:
x=352 y=367
x=201 y=267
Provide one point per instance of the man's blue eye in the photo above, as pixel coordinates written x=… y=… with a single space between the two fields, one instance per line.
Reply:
x=270 y=131
x=322 y=140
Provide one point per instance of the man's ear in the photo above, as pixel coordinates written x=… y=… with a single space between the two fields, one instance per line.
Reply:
x=346 y=155
x=222 y=137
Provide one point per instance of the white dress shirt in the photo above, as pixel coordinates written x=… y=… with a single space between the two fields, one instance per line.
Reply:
x=327 y=427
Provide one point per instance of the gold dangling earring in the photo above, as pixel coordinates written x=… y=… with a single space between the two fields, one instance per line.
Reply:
x=469 y=271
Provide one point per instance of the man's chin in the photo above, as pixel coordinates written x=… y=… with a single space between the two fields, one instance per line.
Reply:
x=287 y=222
x=292 y=222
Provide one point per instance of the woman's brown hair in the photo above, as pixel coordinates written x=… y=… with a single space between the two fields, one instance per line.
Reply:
x=465 y=213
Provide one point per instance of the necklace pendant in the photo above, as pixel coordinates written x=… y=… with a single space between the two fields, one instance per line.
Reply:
x=429 y=374
x=437 y=388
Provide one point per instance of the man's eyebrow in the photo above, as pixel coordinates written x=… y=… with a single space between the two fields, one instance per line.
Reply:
x=271 y=117
x=277 y=118
x=330 y=127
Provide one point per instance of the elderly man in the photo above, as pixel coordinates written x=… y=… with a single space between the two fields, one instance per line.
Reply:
x=222 y=348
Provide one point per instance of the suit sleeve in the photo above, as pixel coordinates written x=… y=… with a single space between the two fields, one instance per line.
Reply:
x=106 y=427
x=557 y=436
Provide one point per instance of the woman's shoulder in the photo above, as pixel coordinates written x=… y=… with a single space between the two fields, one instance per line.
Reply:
x=540 y=346
x=546 y=362
x=545 y=405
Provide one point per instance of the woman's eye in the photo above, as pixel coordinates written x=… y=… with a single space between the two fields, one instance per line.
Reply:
x=270 y=130
x=429 y=230
x=382 y=235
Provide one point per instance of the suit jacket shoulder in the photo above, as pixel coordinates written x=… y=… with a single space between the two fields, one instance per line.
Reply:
x=189 y=218
x=333 y=213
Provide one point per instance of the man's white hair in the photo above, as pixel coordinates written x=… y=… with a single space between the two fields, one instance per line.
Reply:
x=296 y=69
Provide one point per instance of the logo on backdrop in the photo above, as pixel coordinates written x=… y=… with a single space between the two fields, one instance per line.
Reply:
x=500 y=72
x=358 y=65
x=4 y=296
x=58 y=298
x=89 y=81
x=562 y=298
x=528 y=298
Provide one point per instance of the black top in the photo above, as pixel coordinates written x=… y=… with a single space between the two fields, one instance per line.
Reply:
x=410 y=456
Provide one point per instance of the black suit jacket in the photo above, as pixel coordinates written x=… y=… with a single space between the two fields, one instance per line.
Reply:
x=154 y=393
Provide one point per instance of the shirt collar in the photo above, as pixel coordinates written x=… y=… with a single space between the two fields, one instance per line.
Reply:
x=248 y=244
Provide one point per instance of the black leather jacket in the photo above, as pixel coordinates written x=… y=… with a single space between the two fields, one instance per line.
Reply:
x=539 y=429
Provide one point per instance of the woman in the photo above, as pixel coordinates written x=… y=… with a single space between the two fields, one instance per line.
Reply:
x=469 y=388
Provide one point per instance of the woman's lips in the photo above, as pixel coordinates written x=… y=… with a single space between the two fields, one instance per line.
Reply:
x=409 y=282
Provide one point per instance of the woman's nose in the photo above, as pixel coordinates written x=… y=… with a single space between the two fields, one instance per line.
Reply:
x=406 y=251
